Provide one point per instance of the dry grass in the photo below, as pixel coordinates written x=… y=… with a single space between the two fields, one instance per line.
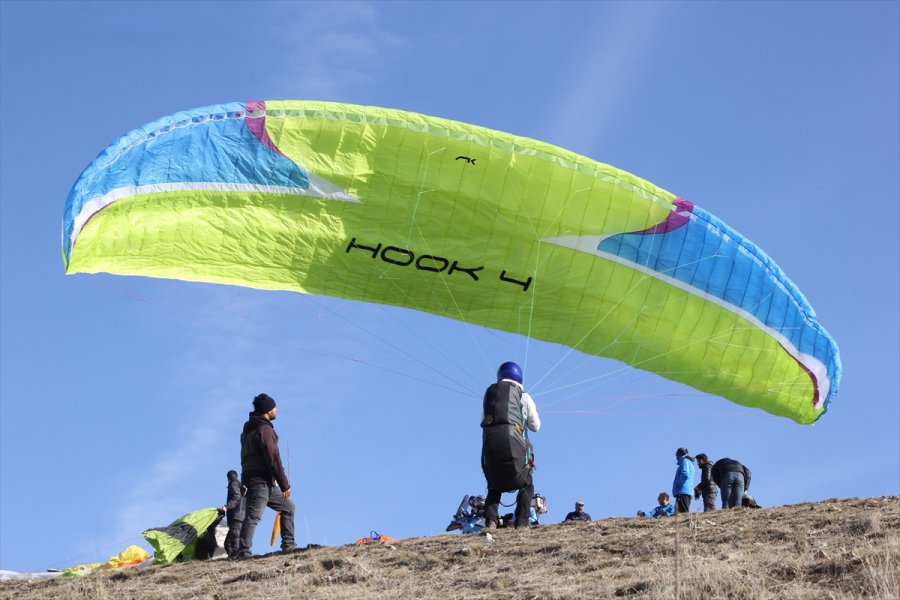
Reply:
x=831 y=549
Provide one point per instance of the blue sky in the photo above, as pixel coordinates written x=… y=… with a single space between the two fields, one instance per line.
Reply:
x=122 y=398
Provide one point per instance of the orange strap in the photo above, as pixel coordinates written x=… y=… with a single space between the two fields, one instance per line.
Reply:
x=276 y=528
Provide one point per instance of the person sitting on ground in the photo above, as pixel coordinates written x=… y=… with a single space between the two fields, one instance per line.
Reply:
x=578 y=514
x=663 y=510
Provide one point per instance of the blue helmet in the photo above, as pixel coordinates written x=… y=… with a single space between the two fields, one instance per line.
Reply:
x=510 y=370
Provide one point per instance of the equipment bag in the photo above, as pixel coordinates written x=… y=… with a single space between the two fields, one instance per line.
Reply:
x=505 y=451
x=540 y=504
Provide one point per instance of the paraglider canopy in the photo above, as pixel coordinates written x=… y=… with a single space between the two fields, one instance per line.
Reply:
x=456 y=220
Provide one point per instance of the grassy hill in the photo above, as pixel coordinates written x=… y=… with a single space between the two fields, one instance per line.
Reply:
x=831 y=549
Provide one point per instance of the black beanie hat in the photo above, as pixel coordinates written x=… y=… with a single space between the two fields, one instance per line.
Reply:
x=263 y=403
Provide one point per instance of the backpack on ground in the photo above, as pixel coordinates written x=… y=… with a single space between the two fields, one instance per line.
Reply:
x=540 y=504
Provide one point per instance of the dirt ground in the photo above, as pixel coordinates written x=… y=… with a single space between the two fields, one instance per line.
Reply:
x=832 y=549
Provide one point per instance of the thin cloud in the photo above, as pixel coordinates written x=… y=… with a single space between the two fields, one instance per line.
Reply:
x=205 y=440
x=165 y=490
x=605 y=75
x=204 y=432
x=329 y=64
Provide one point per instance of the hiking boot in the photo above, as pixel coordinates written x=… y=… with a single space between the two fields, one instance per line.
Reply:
x=490 y=525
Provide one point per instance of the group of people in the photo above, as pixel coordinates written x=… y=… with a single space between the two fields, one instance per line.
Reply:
x=507 y=461
x=578 y=514
x=726 y=475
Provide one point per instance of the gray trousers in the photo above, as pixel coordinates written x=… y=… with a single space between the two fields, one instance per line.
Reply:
x=259 y=496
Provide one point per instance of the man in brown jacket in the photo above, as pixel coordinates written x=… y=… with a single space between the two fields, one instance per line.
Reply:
x=263 y=475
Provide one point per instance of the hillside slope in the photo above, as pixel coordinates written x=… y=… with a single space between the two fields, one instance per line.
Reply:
x=832 y=549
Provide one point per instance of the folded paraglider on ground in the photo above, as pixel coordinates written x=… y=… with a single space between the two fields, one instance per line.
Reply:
x=188 y=537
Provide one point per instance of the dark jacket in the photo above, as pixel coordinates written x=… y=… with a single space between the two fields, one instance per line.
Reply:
x=260 y=459
x=574 y=516
x=236 y=504
x=749 y=501
x=707 y=486
x=727 y=465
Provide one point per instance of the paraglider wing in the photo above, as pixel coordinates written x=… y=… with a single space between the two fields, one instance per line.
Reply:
x=179 y=539
x=456 y=220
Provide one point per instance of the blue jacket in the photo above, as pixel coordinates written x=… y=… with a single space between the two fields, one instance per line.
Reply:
x=662 y=511
x=684 y=477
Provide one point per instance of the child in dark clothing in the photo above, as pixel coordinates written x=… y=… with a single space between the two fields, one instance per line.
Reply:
x=235 y=507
